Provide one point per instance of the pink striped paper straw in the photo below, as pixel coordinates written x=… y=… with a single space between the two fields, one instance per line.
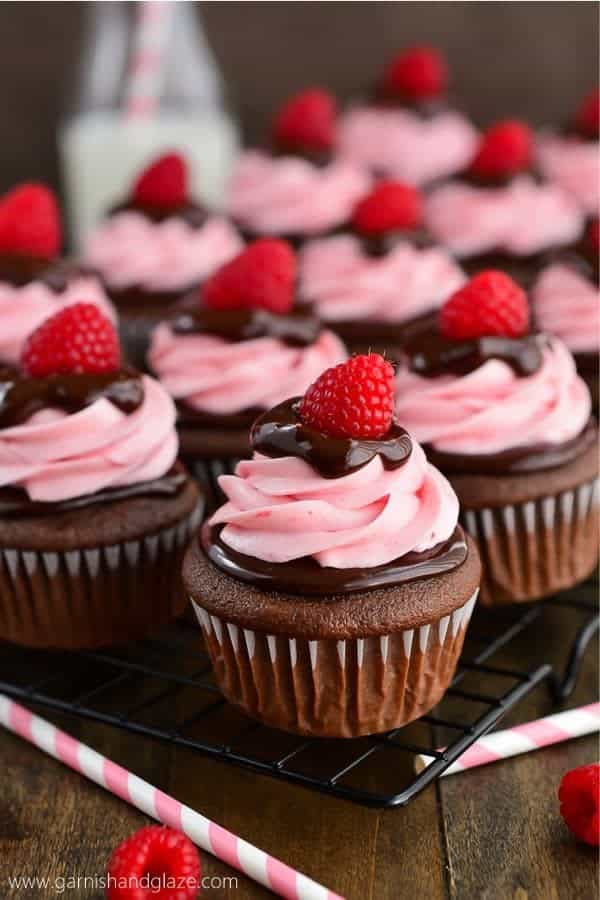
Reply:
x=523 y=738
x=146 y=64
x=226 y=846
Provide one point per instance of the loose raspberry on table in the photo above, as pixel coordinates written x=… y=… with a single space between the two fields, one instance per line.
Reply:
x=579 y=795
x=505 y=149
x=419 y=73
x=390 y=206
x=306 y=122
x=261 y=276
x=154 y=863
x=30 y=222
x=78 y=339
x=491 y=303
x=163 y=184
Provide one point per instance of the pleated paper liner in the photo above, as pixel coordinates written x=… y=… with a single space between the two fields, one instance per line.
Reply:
x=94 y=597
x=335 y=688
x=534 y=549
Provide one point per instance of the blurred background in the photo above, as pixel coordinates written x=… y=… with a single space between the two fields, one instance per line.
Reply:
x=527 y=59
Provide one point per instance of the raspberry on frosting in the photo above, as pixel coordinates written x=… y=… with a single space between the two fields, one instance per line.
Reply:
x=587 y=117
x=505 y=149
x=354 y=399
x=593 y=235
x=260 y=277
x=390 y=206
x=30 y=222
x=162 y=184
x=306 y=122
x=78 y=339
x=491 y=303
x=419 y=73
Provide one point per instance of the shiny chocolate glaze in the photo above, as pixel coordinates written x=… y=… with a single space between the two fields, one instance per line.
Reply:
x=427 y=108
x=298 y=328
x=379 y=245
x=431 y=354
x=475 y=179
x=281 y=432
x=14 y=502
x=21 y=397
x=19 y=270
x=517 y=460
x=191 y=213
x=305 y=576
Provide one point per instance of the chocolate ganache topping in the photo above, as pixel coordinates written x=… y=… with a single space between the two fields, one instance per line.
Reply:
x=20 y=269
x=192 y=214
x=298 y=328
x=281 y=432
x=431 y=354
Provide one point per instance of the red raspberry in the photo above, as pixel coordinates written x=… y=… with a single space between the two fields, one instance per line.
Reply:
x=593 y=235
x=163 y=183
x=491 y=303
x=352 y=400
x=306 y=122
x=154 y=863
x=505 y=149
x=75 y=340
x=587 y=117
x=261 y=276
x=579 y=795
x=30 y=222
x=390 y=206
x=419 y=73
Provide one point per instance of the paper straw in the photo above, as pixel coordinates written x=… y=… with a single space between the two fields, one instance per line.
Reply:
x=523 y=738
x=226 y=846
x=146 y=63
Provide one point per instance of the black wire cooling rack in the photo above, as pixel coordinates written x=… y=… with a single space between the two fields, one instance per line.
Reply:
x=163 y=688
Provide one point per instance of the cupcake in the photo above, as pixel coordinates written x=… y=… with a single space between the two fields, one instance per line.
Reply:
x=155 y=247
x=34 y=282
x=237 y=350
x=334 y=586
x=498 y=214
x=296 y=189
x=570 y=158
x=378 y=282
x=502 y=412
x=407 y=130
x=94 y=509
x=566 y=302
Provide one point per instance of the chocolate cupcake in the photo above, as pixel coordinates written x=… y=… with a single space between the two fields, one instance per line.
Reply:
x=502 y=412
x=499 y=214
x=334 y=587
x=378 y=282
x=296 y=188
x=155 y=247
x=34 y=282
x=238 y=348
x=94 y=509
x=407 y=129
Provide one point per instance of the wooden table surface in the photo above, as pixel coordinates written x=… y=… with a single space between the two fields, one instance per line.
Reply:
x=492 y=833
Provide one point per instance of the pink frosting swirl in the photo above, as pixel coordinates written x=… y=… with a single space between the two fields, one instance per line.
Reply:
x=281 y=509
x=522 y=218
x=400 y=144
x=345 y=283
x=129 y=249
x=55 y=456
x=574 y=165
x=492 y=408
x=23 y=309
x=288 y=195
x=568 y=305
x=215 y=376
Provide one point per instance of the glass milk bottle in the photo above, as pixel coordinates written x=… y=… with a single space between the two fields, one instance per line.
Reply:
x=149 y=84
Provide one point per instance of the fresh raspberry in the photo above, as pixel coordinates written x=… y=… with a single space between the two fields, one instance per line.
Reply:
x=261 y=276
x=587 y=117
x=75 y=340
x=505 y=149
x=593 y=235
x=352 y=400
x=390 y=206
x=163 y=184
x=306 y=122
x=579 y=795
x=154 y=863
x=30 y=222
x=491 y=303
x=419 y=73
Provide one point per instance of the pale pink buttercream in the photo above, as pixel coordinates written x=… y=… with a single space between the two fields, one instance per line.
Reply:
x=55 y=456
x=288 y=195
x=567 y=304
x=574 y=164
x=23 y=309
x=346 y=283
x=282 y=509
x=522 y=218
x=492 y=408
x=398 y=143
x=129 y=249
x=216 y=376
